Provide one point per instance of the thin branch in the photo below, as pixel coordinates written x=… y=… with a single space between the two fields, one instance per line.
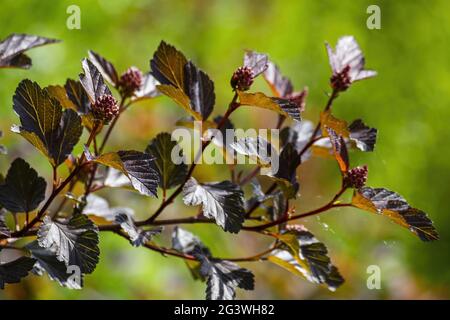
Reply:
x=286 y=218
x=250 y=176
x=334 y=95
x=174 y=253
x=256 y=257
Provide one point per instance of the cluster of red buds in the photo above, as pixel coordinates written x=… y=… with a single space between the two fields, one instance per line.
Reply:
x=242 y=79
x=356 y=177
x=105 y=108
x=130 y=81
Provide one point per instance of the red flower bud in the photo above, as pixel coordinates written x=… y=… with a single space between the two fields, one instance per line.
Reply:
x=357 y=177
x=105 y=108
x=242 y=79
x=130 y=81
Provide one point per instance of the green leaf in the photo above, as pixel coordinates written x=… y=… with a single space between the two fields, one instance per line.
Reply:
x=395 y=207
x=43 y=123
x=222 y=201
x=363 y=136
x=106 y=68
x=168 y=65
x=74 y=241
x=161 y=148
x=92 y=81
x=137 y=166
x=22 y=190
x=200 y=89
x=138 y=237
x=285 y=107
x=14 y=271
x=13 y=47
x=305 y=256
x=46 y=261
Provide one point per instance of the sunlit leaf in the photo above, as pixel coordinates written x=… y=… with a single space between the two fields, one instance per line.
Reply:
x=148 y=88
x=257 y=149
x=23 y=190
x=348 y=53
x=282 y=106
x=161 y=148
x=92 y=81
x=137 y=166
x=223 y=277
x=43 y=123
x=105 y=67
x=14 y=271
x=280 y=85
x=327 y=120
x=73 y=240
x=180 y=98
x=115 y=178
x=339 y=149
x=46 y=261
x=13 y=47
x=256 y=61
x=394 y=206
x=99 y=207
x=138 y=236
x=59 y=93
x=305 y=256
x=186 y=242
x=222 y=201
x=168 y=65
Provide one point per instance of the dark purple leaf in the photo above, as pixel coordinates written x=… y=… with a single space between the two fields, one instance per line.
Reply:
x=200 y=90
x=14 y=271
x=222 y=201
x=363 y=136
x=92 y=81
x=13 y=47
x=106 y=68
x=23 y=190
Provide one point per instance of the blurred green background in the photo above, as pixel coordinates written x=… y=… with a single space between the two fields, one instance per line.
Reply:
x=408 y=102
